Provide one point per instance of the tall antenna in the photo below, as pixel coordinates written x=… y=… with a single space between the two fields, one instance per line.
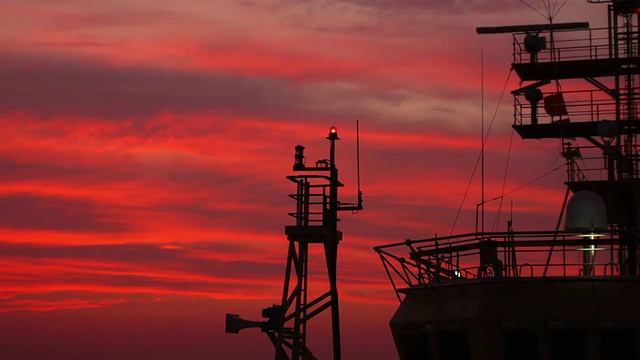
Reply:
x=482 y=130
x=358 y=161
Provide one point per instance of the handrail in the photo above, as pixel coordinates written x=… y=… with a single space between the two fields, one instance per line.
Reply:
x=483 y=255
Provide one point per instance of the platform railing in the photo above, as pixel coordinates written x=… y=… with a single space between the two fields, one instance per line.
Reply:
x=581 y=44
x=312 y=200
x=581 y=105
x=471 y=256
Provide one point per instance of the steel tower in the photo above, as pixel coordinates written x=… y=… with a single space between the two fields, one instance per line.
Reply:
x=316 y=225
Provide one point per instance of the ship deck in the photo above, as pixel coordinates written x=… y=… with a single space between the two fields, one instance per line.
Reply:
x=460 y=258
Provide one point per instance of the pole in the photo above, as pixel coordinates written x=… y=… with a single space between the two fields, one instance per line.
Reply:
x=331 y=249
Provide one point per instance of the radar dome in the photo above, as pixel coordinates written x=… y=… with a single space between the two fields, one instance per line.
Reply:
x=586 y=211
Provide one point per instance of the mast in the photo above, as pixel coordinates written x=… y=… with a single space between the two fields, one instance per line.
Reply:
x=545 y=294
x=316 y=224
x=603 y=110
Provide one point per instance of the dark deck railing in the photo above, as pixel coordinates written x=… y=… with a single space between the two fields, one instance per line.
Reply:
x=459 y=258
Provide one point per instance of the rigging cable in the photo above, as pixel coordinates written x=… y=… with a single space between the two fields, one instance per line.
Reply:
x=495 y=114
x=551 y=12
x=504 y=183
x=547 y=6
x=561 y=6
x=534 y=9
x=528 y=183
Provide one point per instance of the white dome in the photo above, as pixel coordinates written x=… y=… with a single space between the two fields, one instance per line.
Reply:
x=586 y=211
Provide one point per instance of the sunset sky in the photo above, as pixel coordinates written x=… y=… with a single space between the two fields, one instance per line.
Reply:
x=145 y=145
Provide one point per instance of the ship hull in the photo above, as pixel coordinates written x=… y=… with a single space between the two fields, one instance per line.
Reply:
x=520 y=318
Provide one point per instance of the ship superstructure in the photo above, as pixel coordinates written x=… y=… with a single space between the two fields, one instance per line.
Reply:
x=572 y=289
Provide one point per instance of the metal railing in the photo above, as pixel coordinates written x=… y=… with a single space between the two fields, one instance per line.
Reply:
x=312 y=200
x=464 y=257
x=581 y=44
x=581 y=105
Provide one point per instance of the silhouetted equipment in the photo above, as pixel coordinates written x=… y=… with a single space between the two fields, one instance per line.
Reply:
x=533 y=28
x=530 y=87
x=235 y=323
x=554 y=105
x=586 y=212
x=316 y=223
x=544 y=294
x=533 y=95
x=274 y=316
x=533 y=43
x=299 y=156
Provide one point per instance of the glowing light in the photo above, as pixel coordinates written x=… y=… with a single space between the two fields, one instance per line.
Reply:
x=333 y=133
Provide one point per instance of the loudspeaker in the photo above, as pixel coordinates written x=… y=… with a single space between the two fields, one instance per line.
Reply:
x=235 y=323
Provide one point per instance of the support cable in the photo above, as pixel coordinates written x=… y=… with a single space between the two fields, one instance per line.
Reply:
x=534 y=9
x=504 y=183
x=495 y=114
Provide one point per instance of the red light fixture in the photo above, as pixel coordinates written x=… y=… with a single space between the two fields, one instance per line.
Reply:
x=333 y=133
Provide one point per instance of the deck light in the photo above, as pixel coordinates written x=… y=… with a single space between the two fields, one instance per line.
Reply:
x=587 y=214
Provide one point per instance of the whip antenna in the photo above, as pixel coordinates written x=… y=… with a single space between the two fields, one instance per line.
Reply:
x=358 y=152
x=359 y=206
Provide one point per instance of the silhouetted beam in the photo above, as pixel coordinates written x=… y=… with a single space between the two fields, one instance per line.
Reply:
x=584 y=129
x=575 y=69
x=531 y=28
